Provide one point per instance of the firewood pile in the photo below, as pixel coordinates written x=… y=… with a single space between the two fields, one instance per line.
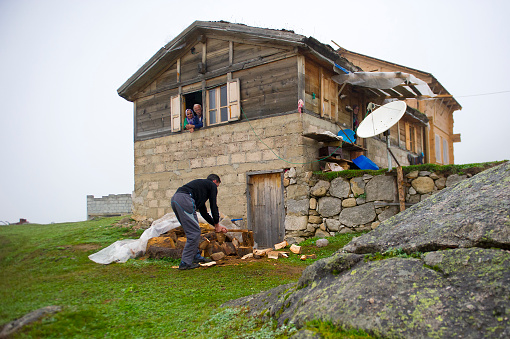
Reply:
x=212 y=244
x=217 y=246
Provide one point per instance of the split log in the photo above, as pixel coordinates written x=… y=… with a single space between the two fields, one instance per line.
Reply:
x=273 y=255
x=228 y=248
x=204 y=242
x=218 y=256
x=310 y=256
x=248 y=239
x=257 y=254
x=236 y=243
x=249 y=255
x=215 y=247
x=244 y=250
x=167 y=242
x=295 y=249
x=220 y=237
x=208 y=264
x=281 y=245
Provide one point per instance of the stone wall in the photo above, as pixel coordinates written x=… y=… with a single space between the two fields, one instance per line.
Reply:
x=107 y=206
x=344 y=206
x=231 y=150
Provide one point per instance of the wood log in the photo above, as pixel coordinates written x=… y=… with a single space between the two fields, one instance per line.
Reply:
x=248 y=239
x=310 y=256
x=273 y=255
x=208 y=264
x=249 y=255
x=236 y=243
x=216 y=247
x=295 y=249
x=218 y=256
x=220 y=237
x=244 y=250
x=281 y=245
x=228 y=248
x=204 y=242
x=161 y=242
x=257 y=254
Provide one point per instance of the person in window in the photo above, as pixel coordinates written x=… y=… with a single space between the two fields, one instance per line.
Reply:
x=189 y=121
x=187 y=200
x=199 y=118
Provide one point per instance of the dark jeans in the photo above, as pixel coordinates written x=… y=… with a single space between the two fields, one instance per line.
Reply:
x=183 y=206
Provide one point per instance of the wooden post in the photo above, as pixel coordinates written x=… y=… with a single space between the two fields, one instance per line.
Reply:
x=400 y=185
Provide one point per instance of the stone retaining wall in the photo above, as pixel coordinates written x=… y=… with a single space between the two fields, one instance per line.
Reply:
x=343 y=206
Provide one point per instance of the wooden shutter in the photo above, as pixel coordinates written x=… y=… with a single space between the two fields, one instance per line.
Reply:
x=234 y=96
x=175 y=106
x=408 y=136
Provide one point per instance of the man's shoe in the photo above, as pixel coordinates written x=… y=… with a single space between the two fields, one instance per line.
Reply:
x=201 y=260
x=184 y=266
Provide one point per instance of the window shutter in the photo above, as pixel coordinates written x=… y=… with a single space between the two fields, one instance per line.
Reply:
x=175 y=106
x=408 y=136
x=234 y=96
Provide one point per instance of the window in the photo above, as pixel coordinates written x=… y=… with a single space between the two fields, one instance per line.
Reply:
x=438 y=149
x=223 y=103
x=445 y=152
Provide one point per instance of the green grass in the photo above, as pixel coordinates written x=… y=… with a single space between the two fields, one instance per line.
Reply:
x=449 y=169
x=43 y=265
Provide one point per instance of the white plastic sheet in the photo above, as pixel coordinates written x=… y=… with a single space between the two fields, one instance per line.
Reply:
x=123 y=250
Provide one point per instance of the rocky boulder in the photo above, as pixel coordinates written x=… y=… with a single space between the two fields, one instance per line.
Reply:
x=457 y=288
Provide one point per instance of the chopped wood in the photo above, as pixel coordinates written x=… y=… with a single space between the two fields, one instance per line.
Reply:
x=218 y=256
x=281 y=245
x=248 y=239
x=228 y=248
x=220 y=237
x=244 y=250
x=295 y=249
x=273 y=255
x=262 y=252
x=284 y=254
x=236 y=243
x=310 y=256
x=249 y=255
x=207 y=264
x=204 y=243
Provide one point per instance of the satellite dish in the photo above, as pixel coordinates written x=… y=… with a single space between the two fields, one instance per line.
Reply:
x=381 y=119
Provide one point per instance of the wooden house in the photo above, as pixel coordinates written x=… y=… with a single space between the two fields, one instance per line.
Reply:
x=267 y=96
x=437 y=138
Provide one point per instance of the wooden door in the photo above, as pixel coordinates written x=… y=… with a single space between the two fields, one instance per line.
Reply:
x=266 y=212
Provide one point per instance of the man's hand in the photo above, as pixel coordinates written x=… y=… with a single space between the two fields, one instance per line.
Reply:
x=220 y=229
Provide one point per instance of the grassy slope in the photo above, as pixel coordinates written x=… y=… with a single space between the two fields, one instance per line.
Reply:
x=46 y=265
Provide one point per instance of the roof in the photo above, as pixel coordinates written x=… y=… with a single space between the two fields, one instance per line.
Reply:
x=434 y=84
x=193 y=33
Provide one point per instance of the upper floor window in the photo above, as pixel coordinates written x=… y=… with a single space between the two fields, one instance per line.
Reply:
x=217 y=108
x=222 y=104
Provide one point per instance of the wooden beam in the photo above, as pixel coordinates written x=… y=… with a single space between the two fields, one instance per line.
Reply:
x=400 y=184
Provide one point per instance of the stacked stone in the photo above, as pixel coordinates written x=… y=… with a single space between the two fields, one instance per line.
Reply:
x=319 y=208
x=423 y=184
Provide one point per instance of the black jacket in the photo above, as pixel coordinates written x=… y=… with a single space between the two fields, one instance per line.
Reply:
x=202 y=190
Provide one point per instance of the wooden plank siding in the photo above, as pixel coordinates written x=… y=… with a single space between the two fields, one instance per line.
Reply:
x=268 y=81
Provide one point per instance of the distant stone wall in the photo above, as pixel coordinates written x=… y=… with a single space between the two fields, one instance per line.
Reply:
x=322 y=208
x=108 y=206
